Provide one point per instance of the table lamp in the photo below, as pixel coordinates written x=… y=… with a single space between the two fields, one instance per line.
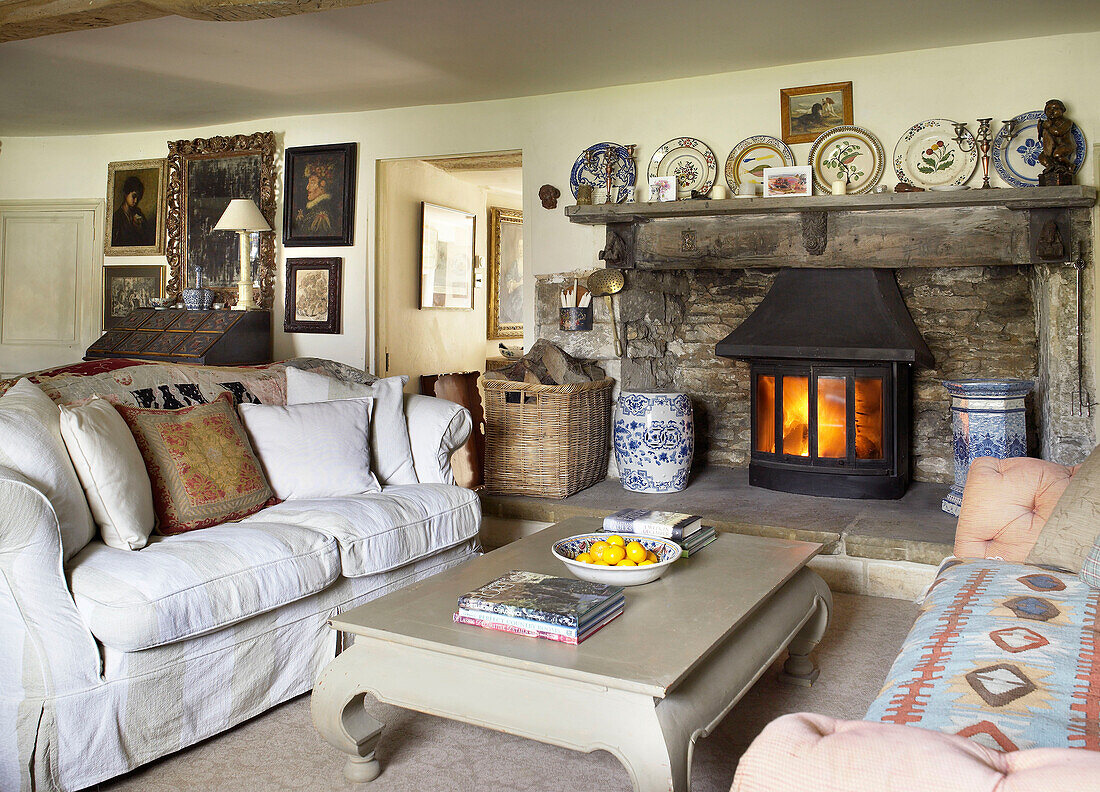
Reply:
x=243 y=216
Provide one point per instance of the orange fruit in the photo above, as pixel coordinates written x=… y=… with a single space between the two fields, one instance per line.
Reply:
x=636 y=552
x=596 y=550
x=647 y=562
x=613 y=554
x=615 y=539
x=626 y=562
x=651 y=556
x=584 y=558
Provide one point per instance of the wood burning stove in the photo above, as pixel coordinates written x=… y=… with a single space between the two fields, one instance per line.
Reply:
x=832 y=353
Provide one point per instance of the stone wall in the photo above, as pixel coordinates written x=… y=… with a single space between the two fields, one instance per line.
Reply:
x=978 y=322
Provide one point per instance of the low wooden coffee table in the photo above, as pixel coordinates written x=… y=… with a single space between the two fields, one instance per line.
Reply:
x=645 y=687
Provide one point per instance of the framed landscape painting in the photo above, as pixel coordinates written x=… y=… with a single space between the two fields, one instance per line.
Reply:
x=446 y=258
x=505 y=273
x=135 y=208
x=808 y=111
x=312 y=295
x=319 y=190
x=126 y=288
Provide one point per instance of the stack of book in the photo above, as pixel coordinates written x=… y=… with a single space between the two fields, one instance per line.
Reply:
x=687 y=530
x=541 y=606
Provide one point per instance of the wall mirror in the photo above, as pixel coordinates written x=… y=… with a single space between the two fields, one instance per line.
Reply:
x=203 y=176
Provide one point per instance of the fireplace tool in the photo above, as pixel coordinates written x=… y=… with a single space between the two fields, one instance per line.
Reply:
x=604 y=283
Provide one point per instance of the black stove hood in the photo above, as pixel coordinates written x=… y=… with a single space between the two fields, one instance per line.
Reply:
x=830 y=314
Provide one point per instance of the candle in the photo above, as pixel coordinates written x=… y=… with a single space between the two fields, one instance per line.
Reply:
x=718 y=191
x=839 y=187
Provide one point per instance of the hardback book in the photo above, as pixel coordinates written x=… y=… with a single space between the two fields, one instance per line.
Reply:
x=567 y=602
x=662 y=524
x=534 y=629
x=698 y=541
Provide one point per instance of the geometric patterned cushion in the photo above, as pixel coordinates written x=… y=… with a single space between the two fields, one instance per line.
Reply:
x=200 y=463
x=1007 y=655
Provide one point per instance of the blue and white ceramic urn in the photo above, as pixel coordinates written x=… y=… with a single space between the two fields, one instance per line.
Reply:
x=654 y=440
x=987 y=420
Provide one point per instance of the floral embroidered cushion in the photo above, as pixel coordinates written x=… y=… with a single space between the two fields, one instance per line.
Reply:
x=1074 y=526
x=202 y=467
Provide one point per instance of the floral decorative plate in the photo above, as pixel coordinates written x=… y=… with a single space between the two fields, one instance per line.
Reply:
x=591 y=169
x=1017 y=160
x=746 y=163
x=847 y=148
x=690 y=160
x=927 y=155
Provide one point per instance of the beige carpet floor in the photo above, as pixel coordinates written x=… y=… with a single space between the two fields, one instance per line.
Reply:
x=279 y=750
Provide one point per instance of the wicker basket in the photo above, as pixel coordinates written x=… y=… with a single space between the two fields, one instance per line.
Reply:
x=545 y=440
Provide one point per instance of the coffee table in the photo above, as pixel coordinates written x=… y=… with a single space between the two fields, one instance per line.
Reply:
x=645 y=687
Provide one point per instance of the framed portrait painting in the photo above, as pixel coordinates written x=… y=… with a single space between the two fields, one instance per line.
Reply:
x=808 y=111
x=446 y=258
x=505 y=273
x=312 y=295
x=135 y=208
x=319 y=190
x=126 y=288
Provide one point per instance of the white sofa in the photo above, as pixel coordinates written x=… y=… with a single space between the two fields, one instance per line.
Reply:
x=114 y=657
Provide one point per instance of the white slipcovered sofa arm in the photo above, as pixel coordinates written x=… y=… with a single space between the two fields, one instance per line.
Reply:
x=437 y=428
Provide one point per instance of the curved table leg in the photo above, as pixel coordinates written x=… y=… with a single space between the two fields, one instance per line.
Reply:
x=338 y=714
x=800 y=668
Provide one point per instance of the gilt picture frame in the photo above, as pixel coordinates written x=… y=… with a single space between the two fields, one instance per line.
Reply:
x=446 y=258
x=204 y=174
x=505 y=303
x=319 y=195
x=313 y=295
x=135 y=221
x=127 y=287
x=808 y=111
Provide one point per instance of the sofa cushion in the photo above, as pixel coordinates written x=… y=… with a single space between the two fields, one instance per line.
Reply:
x=380 y=531
x=31 y=445
x=1074 y=525
x=193 y=583
x=200 y=463
x=1004 y=654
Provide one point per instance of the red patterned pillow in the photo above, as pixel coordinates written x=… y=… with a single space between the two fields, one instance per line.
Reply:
x=201 y=464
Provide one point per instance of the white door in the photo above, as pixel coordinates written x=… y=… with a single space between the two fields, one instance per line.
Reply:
x=50 y=276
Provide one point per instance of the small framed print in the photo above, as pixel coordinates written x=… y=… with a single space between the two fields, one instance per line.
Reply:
x=135 y=208
x=792 y=181
x=662 y=188
x=127 y=288
x=808 y=111
x=312 y=295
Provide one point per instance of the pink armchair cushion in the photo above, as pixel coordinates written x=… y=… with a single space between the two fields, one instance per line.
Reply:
x=805 y=751
x=1005 y=505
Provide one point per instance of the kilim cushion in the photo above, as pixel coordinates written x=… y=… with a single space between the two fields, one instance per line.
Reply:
x=200 y=463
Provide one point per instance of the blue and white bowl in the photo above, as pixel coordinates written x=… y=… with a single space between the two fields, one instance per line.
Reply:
x=667 y=552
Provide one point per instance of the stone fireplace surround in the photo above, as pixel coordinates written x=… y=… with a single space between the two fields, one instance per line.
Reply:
x=985 y=321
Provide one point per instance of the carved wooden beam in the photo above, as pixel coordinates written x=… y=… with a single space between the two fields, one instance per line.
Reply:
x=24 y=19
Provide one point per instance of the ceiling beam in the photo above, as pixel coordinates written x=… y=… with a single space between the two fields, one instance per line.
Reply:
x=24 y=19
x=479 y=162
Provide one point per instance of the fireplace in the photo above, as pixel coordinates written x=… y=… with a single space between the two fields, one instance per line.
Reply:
x=831 y=354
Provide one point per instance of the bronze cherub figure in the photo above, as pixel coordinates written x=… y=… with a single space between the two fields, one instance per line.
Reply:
x=1059 y=147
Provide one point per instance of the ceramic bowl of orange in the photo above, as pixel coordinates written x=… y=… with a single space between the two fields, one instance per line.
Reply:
x=566 y=550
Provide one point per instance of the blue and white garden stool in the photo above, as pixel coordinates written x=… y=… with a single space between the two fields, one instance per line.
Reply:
x=987 y=420
x=654 y=437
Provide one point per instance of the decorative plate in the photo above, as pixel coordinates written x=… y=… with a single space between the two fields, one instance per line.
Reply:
x=850 y=147
x=1017 y=160
x=747 y=161
x=591 y=169
x=691 y=161
x=927 y=155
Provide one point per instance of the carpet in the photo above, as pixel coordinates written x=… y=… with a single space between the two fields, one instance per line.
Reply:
x=280 y=750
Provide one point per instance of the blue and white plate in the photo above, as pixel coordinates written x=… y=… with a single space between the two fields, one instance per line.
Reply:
x=1017 y=163
x=591 y=169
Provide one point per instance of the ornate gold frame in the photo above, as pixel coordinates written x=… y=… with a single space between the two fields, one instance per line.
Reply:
x=157 y=248
x=497 y=329
x=180 y=152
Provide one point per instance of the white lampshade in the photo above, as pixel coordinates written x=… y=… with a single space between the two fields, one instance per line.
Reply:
x=242 y=214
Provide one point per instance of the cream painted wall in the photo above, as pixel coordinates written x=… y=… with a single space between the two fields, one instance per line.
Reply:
x=425 y=341
x=891 y=92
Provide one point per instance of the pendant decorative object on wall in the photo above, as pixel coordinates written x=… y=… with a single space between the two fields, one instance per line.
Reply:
x=654 y=435
x=987 y=420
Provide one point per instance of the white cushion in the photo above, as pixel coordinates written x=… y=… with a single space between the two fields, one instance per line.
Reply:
x=111 y=471
x=193 y=583
x=319 y=450
x=31 y=445
x=385 y=530
x=392 y=458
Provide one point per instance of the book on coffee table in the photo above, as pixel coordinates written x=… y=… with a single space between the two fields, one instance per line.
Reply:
x=646 y=522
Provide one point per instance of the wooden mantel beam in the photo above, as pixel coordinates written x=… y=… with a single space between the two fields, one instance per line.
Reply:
x=24 y=19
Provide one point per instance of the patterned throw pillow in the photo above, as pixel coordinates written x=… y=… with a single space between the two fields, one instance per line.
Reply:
x=1090 y=570
x=200 y=463
x=185 y=394
x=1069 y=534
